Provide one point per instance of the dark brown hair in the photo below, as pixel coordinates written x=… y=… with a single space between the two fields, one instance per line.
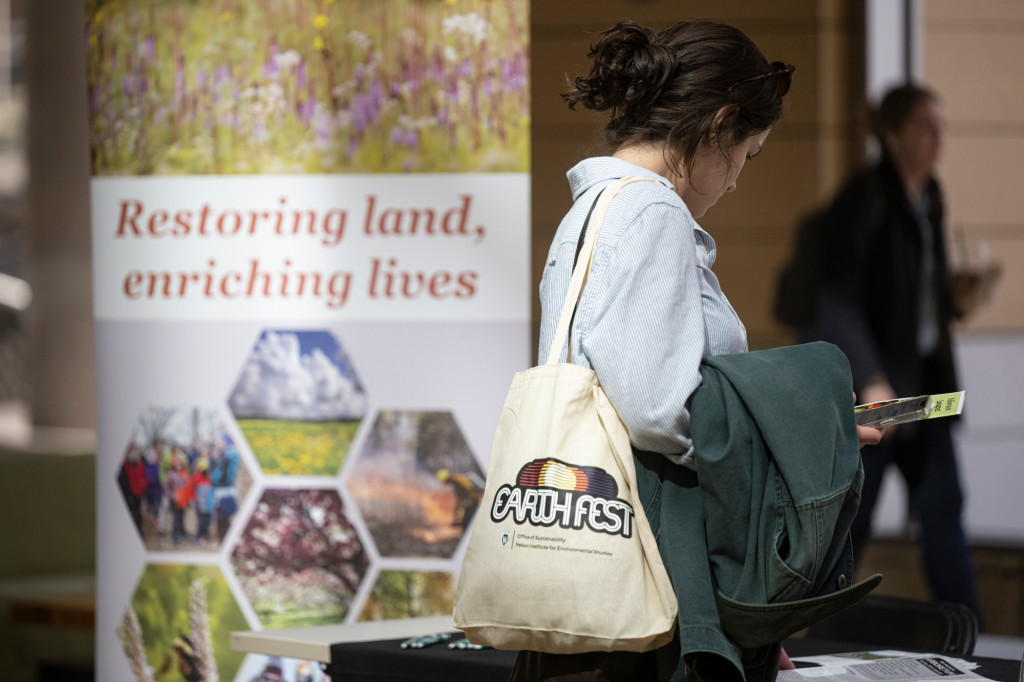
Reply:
x=668 y=86
x=897 y=106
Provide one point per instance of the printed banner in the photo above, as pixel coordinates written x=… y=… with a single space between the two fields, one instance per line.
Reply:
x=311 y=253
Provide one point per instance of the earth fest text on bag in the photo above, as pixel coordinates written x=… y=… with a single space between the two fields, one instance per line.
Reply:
x=578 y=497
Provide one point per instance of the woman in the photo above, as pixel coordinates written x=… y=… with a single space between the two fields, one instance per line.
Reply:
x=885 y=242
x=689 y=106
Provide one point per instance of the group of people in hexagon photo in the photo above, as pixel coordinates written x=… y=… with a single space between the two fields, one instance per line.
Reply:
x=180 y=479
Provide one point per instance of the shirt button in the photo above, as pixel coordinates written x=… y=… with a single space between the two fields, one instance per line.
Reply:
x=841 y=581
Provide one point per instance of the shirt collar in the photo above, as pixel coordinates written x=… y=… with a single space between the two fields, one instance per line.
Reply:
x=595 y=170
x=598 y=169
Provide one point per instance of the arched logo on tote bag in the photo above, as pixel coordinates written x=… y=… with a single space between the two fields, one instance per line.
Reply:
x=549 y=492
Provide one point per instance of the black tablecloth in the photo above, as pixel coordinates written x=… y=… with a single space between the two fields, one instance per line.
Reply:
x=387 y=660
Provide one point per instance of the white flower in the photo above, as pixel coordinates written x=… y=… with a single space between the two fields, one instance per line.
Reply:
x=360 y=40
x=343 y=119
x=287 y=59
x=274 y=92
x=472 y=26
x=422 y=123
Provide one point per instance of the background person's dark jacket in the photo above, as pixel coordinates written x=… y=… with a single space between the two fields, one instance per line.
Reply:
x=868 y=293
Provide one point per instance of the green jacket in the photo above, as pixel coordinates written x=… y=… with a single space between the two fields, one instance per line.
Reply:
x=757 y=540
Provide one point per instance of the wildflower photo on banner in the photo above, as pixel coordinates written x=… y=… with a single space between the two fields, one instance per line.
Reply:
x=338 y=86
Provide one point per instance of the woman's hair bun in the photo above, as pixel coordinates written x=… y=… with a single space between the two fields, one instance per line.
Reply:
x=674 y=88
x=629 y=70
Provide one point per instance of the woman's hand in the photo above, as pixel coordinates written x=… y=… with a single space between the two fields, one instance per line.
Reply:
x=784 y=662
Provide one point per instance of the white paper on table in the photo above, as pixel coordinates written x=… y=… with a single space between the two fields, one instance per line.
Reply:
x=883 y=666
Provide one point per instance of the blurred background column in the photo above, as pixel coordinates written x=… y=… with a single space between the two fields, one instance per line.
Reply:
x=57 y=235
x=14 y=294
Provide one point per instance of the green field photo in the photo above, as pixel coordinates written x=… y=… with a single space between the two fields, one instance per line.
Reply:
x=297 y=448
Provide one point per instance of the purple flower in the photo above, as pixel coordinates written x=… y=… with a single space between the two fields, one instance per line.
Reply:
x=270 y=68
x=401 y=137
x=323 y=131
x=435 y=71
x=300 y=76
x=376 y=93
x=221 y=75
x=397 y=136
x=126 y=85
x=360 y=114
x=150 y=49
x=306 y=114
x=514 y=74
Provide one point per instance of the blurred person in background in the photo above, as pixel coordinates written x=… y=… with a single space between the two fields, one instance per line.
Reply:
x=883 y=295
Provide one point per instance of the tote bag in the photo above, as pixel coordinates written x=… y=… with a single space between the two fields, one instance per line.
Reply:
x=561 y=558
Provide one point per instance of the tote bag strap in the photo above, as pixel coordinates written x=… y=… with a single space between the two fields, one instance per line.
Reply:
x=584 y=257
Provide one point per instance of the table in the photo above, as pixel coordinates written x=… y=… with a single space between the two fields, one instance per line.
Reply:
x=370 y=652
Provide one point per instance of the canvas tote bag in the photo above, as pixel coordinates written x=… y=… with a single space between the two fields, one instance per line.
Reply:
x=561 y=558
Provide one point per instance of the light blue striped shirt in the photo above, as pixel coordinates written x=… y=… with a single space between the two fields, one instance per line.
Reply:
x=651 y=308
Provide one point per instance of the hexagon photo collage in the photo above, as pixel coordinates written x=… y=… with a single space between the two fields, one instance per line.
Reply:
x=291 y=505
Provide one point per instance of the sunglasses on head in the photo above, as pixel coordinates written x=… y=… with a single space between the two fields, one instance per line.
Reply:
x=780 y=70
